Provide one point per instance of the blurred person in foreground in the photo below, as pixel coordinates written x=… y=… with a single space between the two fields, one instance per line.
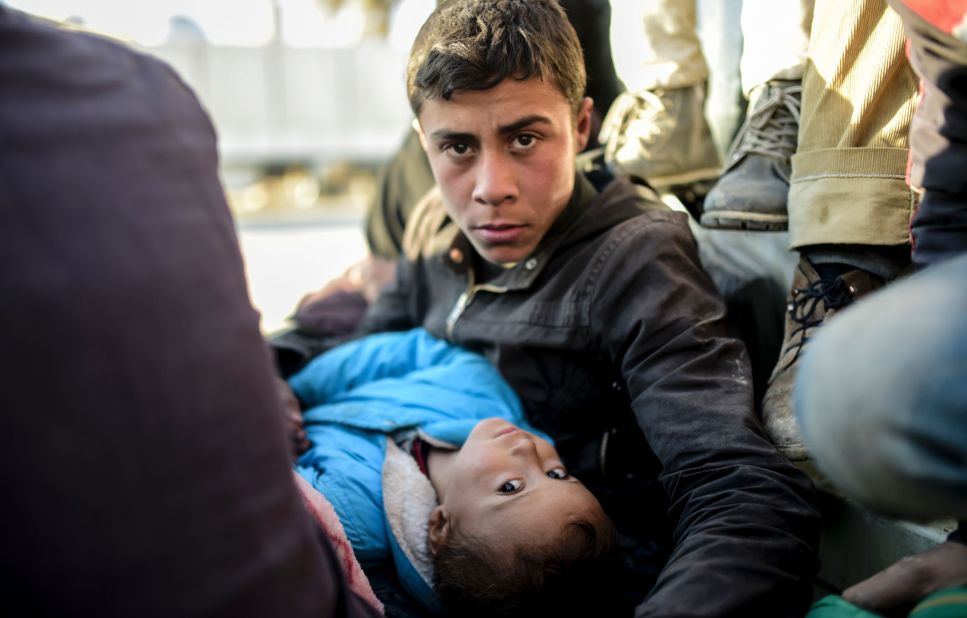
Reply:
x=145 y=468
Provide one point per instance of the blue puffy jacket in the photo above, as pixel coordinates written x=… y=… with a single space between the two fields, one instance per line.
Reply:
x=388 y=386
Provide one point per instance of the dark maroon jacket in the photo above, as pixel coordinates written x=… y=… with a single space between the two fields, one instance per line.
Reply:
x=143 y=466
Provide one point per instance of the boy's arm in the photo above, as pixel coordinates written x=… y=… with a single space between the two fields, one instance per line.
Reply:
x=294 y=348
x=746 y=524
x=331 y=315
x=362 y=360
x=368 y=359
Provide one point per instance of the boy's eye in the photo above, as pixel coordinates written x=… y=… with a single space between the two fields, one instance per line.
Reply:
x=456 y=149
x=557 y=473
x=511 y=486
x=524 y=140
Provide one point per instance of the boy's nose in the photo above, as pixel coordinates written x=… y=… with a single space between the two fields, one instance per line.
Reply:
x=496 y=182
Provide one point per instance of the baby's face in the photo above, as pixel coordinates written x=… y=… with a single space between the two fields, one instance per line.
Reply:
x=509 y=485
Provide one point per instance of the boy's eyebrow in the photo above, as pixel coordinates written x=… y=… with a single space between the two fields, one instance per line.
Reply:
x=507 y=129
x=526 y=121
x=453 y=136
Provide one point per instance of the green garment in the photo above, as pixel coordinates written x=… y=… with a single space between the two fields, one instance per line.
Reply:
x=947 y=603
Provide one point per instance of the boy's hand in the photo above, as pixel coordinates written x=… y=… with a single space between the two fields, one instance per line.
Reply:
x=367 y=276
x=292 y=417
x=904 y=583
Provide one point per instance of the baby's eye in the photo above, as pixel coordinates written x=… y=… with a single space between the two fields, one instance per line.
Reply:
x=557 y=473
x=511 y=486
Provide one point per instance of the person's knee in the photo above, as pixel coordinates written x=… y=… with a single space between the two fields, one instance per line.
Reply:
x=880 y=396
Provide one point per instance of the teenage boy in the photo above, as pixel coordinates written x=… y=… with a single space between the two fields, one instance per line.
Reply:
x=596 y=310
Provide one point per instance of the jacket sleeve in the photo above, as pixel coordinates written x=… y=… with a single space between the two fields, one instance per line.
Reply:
x=746 y=523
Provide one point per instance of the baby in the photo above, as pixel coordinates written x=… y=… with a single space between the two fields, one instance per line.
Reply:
x=425 y=454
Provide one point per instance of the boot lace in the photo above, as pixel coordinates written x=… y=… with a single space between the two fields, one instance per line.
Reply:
x=772 y=128
x=833 y=294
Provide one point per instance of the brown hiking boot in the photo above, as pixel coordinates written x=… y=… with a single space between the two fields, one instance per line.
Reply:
x=812 y=301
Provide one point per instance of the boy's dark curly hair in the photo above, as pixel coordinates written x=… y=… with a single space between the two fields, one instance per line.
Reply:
x=475 y=577
x=476 y=44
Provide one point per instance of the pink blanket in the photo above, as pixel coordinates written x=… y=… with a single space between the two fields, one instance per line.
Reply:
x=320 y=509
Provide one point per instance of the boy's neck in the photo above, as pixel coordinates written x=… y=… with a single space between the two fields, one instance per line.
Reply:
x=438 y=462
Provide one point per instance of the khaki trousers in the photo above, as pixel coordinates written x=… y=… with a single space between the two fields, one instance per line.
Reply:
x=858 y=97
x=655 y=43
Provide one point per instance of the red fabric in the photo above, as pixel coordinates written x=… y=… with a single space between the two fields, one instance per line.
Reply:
x=322 y=511
x=943 y=14
x=419 y=454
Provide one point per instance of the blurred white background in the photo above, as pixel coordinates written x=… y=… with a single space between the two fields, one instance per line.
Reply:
x=308 y=100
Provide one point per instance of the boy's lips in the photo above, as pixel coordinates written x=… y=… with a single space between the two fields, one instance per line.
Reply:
x=499 y=233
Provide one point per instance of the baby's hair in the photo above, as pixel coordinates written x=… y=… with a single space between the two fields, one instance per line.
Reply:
x=476 y=577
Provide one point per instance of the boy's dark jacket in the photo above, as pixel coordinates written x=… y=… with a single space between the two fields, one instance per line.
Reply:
x=609 y=326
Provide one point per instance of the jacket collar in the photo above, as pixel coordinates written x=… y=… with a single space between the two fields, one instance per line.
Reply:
x=587 y=213
x=461 y=255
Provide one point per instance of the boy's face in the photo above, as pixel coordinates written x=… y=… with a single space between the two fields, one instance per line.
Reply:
x=510 y=486
x=504 y=161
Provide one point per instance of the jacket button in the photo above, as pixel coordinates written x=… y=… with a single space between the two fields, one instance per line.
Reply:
x=531 y=264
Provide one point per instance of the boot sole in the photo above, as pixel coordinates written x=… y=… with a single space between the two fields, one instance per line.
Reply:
x=739 y=220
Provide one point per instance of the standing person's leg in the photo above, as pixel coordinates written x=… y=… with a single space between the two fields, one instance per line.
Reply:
x=655 y=45
x=752 y=192
x=849 y=204
x=882 y=393
x=775 y=37
x=657 y=129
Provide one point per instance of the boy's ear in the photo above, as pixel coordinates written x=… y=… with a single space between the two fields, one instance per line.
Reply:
x=439 y=529
x=583 y=123
x=419 y=131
